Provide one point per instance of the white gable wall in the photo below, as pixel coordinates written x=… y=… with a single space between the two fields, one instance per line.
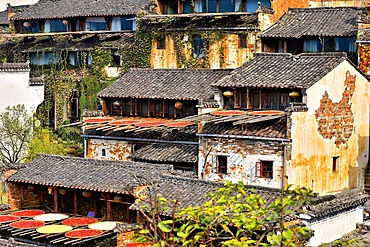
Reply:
x=334 y=227
x=15 y=89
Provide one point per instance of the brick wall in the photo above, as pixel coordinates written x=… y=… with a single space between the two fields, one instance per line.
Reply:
x=20 y=196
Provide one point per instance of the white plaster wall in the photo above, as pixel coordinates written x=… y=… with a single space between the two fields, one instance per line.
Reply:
x=15 y=89
x=241 y=165
x=333 y=228
x=3 y=3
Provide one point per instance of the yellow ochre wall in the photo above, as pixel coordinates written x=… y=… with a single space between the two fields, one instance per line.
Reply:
x=339 y=134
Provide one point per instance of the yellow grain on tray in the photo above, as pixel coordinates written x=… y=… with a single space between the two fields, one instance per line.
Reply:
x=54 y=229
x=104 y=225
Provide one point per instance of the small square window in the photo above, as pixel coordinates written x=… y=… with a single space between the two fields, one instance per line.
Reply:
x=264 y=169
x=242 y=41
x=161 y=43
x=335 y=163
x=222 y=164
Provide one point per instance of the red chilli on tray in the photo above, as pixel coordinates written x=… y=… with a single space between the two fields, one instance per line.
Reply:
x=8 y=218
x=83 y=233
x=179 y=124
x=123 y=122
x=149 y=124
x=28 y=213
x=228 y=113
x=98 y=119
x=79 y=221
x=27 y=224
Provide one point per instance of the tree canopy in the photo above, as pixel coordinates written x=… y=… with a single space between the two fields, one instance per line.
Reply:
x=233 y=216
x=15 y=133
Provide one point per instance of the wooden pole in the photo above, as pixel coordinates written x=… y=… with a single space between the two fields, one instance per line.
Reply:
x=22 y=196
x=109 y=207
x=75 y=202
x=55 y=192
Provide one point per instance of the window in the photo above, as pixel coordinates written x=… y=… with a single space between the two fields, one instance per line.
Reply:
x=161 y=43
x=242 y=41
x=116 y=58
x=264 y=169
x=198 y=47
x=335 y=163
x=103 y=152
x=222 y=164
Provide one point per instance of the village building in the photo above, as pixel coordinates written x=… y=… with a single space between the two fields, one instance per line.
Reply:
x=316 y=30
x=320 y=141
x=142 y=108
x=69 y=16
x=74 y=186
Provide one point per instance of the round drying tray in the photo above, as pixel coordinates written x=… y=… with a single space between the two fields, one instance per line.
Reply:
x=50 y=229
x=104 y=225
x=51 y=217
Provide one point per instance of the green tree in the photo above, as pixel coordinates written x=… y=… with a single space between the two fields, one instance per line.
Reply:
x=234 y=216
x=46 y=142
x=15 y=133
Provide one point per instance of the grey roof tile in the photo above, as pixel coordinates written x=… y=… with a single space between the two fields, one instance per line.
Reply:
x=283 y=70
x=187 y=133
x=14 y=66
x=276 y=128
x=85 y=42
x=177 y=84
x=4 y=17
x=326 y=21
x=88 y=174
x=167 y=153
x=57 y=9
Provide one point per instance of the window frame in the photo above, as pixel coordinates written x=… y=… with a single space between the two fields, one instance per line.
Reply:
x=161 y=43
x=335 y=163
x=264 y=167
x=222 y=164
x=242 y=41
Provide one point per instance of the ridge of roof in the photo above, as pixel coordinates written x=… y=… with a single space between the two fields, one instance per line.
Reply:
x=15 y=66
x=327 y=8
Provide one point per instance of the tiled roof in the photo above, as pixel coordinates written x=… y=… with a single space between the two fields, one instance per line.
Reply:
x=177 y=84
x=199 y=21
x=156 y=133
x=36 y=81
x=166 y=152
x=14 y=66
x=86 y=174
x=332 y=204
x=363 y=35
x=74 y=42
x=283 y=70
x=339 y=21
x=276 y=128
x=57 y=9
x=4 y=17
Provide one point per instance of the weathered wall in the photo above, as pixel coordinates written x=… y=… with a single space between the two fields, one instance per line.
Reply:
x=281 y=6
x=222 y=53
x=19 y=196
x=342 y=223
x=338 y=3
x=335 y=125
x=241 y=161
x=114 y=149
